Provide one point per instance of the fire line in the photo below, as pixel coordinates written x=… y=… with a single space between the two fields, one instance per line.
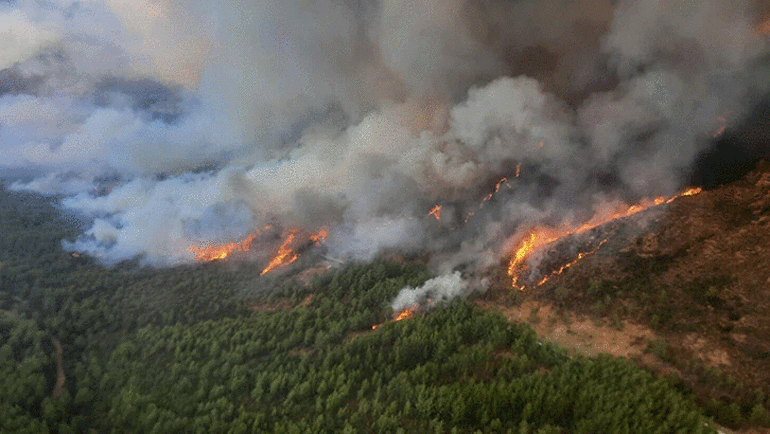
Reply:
x=206 y=254
x=284 y=256
x=436 y=212
x=402 y=314
x=541 y=237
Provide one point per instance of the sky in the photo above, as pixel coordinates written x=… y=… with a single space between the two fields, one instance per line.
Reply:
x=170 y=124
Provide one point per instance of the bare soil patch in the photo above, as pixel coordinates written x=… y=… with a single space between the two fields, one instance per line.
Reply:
x=577 y=332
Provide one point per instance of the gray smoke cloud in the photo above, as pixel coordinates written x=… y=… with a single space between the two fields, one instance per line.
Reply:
x=173 y=123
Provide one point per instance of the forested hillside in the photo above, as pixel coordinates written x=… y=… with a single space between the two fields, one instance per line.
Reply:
x=190 y=350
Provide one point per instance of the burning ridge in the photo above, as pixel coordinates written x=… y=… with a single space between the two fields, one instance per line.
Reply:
x=293 y=243
x=544 y=252
x=458 y=131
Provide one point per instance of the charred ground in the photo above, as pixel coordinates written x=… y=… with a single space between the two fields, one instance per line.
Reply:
x=696 y=272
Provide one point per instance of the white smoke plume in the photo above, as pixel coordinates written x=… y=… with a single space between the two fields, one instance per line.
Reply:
x=172 y=123
x=432 y=292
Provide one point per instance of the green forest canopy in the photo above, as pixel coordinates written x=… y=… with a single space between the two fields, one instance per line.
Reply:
x=178 y=350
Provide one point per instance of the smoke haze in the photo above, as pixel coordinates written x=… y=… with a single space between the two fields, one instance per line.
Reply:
x=172 y=123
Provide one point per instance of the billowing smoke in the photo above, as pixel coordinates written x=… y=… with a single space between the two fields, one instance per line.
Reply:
x=172 y=123
x=432 y=292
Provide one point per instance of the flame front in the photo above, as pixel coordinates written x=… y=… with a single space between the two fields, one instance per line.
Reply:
x=402 y=315
x=536 y=239
x=540 y=237
x=571 y=263
x=284 y=256
x=497 y=188
x=213 y=253
x=490 y=195
x=320 y=236
x=406 y=313
x=436 y=212
x=688 y=192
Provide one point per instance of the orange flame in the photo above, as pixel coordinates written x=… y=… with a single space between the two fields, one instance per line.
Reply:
x=490 y=195
x=406 y=313
x=284 y=256
x=213 y=253
x=540 y=237
x=571 y=263
x=401 y=315
x=537 y=239
x=518 y=170
x=497 y=188
x=320 y=236
x=436 y=212
x=688 y=192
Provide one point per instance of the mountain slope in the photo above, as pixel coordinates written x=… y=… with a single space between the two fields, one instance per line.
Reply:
x=697 y=273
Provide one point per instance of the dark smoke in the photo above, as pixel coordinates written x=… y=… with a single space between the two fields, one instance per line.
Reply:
x=736 y=152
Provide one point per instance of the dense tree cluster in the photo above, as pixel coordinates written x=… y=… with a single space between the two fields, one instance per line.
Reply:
x=453 y=370
x=161 y=351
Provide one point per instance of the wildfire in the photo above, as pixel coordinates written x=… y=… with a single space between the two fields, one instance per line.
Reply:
x=540 y=237
x=688 y=192
x=402 y=314
x=213 y=253
x=490 y=195
x=406 y=313
x=497 y=188
x=284 y=256
x=571 y=263
x=320 y=236
x=436 y=212
x=537 y=239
